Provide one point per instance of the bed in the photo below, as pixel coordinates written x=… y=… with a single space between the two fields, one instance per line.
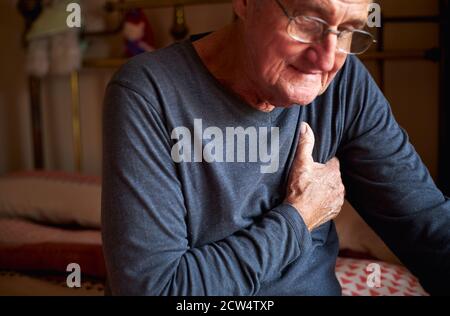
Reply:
x=49 y=220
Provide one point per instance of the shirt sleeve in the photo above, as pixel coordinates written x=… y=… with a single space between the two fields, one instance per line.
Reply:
x=144 y=229
x=389 y=185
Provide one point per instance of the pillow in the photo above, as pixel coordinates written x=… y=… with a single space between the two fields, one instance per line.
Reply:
x=52 y=197
x=355 y=236
x=395 y=280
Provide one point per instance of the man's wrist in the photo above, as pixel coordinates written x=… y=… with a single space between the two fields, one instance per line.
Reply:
x=299 y=212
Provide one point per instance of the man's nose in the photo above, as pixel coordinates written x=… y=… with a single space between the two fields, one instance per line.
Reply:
x=323 y=54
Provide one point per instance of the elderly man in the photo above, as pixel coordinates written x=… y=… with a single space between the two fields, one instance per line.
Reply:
x=190 y=206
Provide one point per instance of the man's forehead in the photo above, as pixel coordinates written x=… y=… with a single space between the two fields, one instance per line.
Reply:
x=328 y=4
x=362 y=2
x=331 y=8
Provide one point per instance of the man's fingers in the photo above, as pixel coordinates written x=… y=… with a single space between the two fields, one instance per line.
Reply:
x=306 y=144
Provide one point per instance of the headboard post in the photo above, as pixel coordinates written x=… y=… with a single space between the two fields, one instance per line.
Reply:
x=76 y=120
x=36 y=121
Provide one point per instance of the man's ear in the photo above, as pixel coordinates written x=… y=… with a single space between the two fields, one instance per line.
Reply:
x=240 y=8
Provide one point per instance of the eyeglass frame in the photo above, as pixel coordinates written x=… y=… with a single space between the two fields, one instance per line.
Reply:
x=325 y=32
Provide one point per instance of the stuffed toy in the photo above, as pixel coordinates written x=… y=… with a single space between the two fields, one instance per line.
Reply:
x=137 y=33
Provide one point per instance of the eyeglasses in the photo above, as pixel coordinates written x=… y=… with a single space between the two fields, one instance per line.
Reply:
x=310 y=30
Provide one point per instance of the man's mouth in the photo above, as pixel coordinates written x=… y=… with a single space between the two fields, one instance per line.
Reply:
x=307 y=76
x=312 y=73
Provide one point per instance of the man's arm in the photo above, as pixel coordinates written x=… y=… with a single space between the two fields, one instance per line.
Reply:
x=144 y=228
x=390 y=187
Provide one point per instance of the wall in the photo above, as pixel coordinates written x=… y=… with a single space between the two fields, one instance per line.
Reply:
x=15 y=143
x=411 y=87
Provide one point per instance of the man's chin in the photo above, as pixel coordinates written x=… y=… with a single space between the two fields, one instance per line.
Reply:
x=289 y=101
x=305 y=96
x=305 y=100
x=295 y=102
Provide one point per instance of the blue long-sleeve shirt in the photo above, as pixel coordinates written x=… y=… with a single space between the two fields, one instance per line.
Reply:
x=211 y=226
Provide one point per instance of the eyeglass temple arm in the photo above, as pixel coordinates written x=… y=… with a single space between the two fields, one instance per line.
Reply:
x=283 y=9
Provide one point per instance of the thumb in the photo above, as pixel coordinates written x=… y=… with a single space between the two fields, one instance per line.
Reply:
x=306 y=144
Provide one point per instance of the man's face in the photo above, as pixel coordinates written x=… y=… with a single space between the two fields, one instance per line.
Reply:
x=286 y=71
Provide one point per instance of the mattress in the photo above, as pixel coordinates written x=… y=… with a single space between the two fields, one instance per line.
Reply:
x=14 y=283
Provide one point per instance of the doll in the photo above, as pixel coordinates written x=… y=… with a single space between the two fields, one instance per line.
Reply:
x=137 y=33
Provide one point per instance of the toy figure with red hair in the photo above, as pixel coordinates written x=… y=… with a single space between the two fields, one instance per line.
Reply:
x=138 y=33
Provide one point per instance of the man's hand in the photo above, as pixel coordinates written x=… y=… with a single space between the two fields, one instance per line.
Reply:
x=314 y=189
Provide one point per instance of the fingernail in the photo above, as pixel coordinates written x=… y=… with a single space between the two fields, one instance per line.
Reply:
x=303 y=128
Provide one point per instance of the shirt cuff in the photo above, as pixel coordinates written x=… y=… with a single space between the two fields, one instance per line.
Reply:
x=297 y=223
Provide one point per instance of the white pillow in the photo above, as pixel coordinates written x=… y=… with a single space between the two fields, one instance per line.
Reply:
x=52 y=197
